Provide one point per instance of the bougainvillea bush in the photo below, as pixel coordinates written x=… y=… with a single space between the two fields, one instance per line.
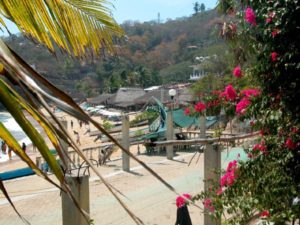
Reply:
x=266 y=37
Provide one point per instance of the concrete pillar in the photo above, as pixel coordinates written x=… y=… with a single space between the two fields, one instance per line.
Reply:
x=170 y=134
x=202 y=122
x=65 y=146
x=80 y=189
x=212 y=163
x=125 y=143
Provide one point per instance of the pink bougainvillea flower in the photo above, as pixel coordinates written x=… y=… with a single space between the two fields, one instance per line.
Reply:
x=237 y=71
x=180 y=201
x=199 y=107
x=187 y=111
x=250 y=155
x=230 y=93
x=231 y=166
x=228 y=179
x=188 y=196
x=250 y=92
x=260 y=147
x=207 y=203
x=252 y=123
x=250 y=16
x=265 y=213
x=290 y=144
x=269 y=20
x=219 y=191
x=274 y=56
x=242 y=105
x=223 y=180
x=294 y=130
x=275 y=32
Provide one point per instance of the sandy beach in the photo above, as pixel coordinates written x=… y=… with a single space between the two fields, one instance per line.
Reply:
x=145 y=195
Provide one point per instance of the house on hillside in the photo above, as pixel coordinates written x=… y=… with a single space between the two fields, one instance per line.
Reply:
x=198 y=69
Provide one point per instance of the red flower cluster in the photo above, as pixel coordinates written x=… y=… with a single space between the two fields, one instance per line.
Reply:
x=213 y=103
x=181 y=200
x=250 y=16
x=199 y=107
x=245 y=102
x=290 y=144
x=237 y=71
x=275 y=32
x=250 y=92
x=208 y=205
x=260 y=147
x=229 y=177
x=229 y=93
x=265 y=213
x=242 y=105
x=187 y=111
x=274 y=56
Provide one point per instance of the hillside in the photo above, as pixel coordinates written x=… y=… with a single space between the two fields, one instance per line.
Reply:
x=151 y=54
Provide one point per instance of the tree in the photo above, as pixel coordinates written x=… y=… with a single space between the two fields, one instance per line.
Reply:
x=196 y=8
x=202 y=7
x=49 y=22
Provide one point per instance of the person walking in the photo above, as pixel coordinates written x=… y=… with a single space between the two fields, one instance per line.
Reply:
x=3 y=147
x=77 y=137
x=24 y=147
x=9 y=153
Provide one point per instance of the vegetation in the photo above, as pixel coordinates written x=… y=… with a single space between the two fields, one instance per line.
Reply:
x=263 y=37
x=151 y=54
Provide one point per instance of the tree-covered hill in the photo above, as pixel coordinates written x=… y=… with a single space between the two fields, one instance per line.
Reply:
x=151 y=54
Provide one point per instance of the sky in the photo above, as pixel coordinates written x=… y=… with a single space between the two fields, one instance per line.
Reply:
x=147 y=10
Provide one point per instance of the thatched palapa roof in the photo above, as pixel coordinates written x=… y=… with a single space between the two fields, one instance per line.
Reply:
x=125 y=97
x=100 y=99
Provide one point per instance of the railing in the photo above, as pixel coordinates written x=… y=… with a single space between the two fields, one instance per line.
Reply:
x=205 y=140
x=97 y=155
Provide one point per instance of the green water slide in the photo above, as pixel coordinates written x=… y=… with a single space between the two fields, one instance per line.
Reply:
x=158 y=127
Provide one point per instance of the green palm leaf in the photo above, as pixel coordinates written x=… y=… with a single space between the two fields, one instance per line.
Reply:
x=82 y=27
x=10 y=103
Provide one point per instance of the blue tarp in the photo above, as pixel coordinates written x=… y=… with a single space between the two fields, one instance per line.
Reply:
x=16 y=173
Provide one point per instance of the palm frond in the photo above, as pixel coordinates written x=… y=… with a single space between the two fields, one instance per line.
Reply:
x=79 y=27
